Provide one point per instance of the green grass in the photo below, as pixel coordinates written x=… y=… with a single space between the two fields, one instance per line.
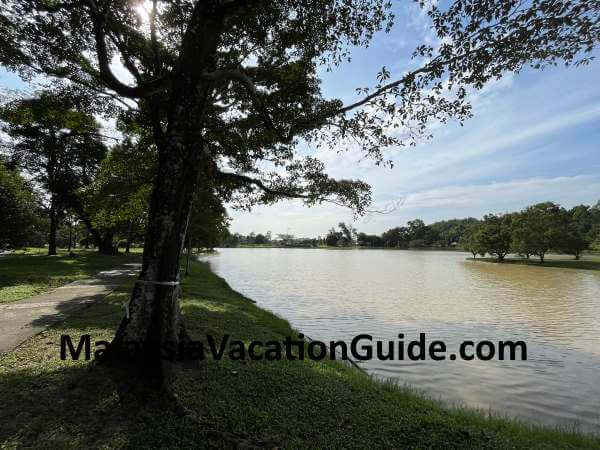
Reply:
x=587 y=262
x=31 y=272
x=298 y=404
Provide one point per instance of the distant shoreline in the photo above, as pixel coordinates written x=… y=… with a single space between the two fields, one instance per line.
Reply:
x=585 y=264
x=324 y=247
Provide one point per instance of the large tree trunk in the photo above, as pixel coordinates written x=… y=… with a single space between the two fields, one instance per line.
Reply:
x=154 y=316
x=154 y=319
x=53 y=226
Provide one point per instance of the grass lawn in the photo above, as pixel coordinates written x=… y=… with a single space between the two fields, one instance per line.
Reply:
x=587 y=261
x=297 y=404
x=31 y=272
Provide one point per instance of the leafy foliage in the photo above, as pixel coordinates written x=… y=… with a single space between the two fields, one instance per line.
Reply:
x=254 y=67
x=119 y=194
x=20 y=207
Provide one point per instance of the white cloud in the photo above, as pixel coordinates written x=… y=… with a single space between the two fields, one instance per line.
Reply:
x=527 y=144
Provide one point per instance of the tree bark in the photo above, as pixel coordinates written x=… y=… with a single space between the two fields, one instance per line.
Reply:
x=53 y=226
x=154 y=319
x=187 y=259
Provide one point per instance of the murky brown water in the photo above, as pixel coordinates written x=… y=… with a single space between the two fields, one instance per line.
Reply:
x=331 y=294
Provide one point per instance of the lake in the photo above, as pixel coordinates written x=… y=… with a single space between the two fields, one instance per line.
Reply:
x=338 y=294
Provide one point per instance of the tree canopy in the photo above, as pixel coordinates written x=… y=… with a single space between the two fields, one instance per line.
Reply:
x=244 y=73
x=20 y=206
x=58 y=144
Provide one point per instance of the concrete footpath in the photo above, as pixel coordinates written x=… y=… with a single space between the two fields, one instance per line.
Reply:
x=25 y=318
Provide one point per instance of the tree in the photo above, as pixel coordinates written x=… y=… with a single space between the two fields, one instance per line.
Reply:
x=58 y=145
x=369 y=240
x=209 y=223
x=20 y=209
x=333 y=237
x=577 y=224
x=348 y=234
x=398 y=237
x=472 y=242
x=538 y=229
x=450 y=232
x=523 y=235
x=573 y=242
x=116 y=201
x=237 y=81
x=495 y=235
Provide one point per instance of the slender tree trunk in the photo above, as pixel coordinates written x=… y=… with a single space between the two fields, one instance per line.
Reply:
x=53 y=227
x=129 y=237
x=79 y=209
x=70 y=235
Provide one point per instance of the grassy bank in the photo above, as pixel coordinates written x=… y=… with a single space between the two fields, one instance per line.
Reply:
x=31 y=272
x=72 y=404
x=588 y=262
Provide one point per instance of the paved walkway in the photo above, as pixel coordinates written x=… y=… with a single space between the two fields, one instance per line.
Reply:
x=25 y=318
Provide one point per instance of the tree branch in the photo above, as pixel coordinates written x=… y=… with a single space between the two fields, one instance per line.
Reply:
x=246 y=81
x=106 y=74
x=246 y=180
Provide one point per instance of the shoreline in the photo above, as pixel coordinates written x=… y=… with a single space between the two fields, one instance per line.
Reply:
x=295 y=404
x=578 y=264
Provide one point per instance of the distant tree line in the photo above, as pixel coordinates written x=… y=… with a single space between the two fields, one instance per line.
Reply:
x=442 y=234
x=535 y=231
x=266 y=239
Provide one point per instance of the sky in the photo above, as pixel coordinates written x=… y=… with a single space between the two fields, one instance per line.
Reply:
x=535 y=137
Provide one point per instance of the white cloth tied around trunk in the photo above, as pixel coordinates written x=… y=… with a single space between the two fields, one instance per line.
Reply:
x=160 y=283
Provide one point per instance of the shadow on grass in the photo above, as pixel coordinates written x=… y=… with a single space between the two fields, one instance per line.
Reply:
x=23 y=276
x=73 y=404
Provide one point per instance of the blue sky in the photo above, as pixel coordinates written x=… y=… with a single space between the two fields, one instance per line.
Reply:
x=535 y=137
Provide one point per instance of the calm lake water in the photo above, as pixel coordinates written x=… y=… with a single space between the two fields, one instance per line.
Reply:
x=330 y=294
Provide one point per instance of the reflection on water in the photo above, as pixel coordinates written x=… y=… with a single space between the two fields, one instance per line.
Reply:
x=339 y=294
